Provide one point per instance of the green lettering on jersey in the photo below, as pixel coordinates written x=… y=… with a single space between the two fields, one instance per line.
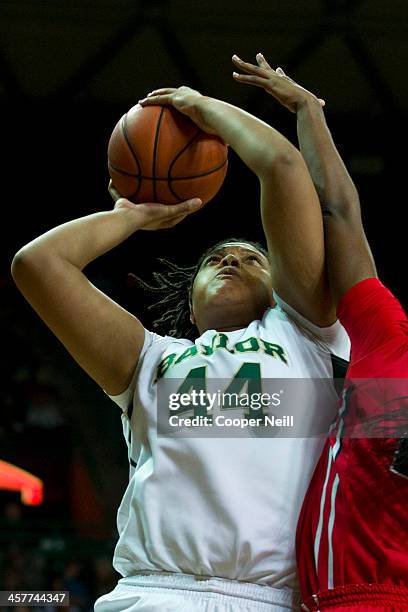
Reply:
x=274 y=350
x=190 y=352
x=195 y=385
x=164 y=365
x=250 y=344
x=219 y=341
x=248 y=375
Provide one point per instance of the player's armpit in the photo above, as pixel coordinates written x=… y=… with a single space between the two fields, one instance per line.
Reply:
x=293 y=226
x=101 y=336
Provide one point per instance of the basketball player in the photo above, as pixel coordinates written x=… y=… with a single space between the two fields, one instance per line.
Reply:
x=353 y=530
x=206 y=524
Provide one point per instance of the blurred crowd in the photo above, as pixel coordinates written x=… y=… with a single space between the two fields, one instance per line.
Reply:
x=30 y=395
x=32 y=559
x=41 y=548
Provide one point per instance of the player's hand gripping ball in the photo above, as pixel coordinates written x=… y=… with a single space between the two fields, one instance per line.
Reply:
x=157 y=154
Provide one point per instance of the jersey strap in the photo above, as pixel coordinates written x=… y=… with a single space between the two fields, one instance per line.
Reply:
x=340 y=367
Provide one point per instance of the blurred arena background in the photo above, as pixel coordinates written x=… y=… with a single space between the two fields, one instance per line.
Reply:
x=68 y=71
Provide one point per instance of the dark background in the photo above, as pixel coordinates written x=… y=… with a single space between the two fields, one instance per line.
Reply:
x=68 y=71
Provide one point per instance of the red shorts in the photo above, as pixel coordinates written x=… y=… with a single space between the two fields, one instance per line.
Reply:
x=360 y=597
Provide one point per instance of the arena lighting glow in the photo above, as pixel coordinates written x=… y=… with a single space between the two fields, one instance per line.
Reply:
x=13 y=478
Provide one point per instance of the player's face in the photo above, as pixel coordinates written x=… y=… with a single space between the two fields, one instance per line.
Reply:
x=232 y=287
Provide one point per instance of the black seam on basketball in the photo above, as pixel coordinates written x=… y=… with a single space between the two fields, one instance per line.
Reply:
x=195 y=176
x=164 y=178
x=123 y=125
x=174 y=161
x=120 y=171
x=180 y=153
x=174 y=193
x=129 y=196
x=155 y=148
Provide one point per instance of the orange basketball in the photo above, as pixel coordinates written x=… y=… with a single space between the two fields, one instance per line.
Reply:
x=157 y=154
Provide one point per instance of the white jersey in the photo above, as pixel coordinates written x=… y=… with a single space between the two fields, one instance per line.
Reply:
x=222 y=507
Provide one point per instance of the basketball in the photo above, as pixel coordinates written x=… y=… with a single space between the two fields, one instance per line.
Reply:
x=157 y=154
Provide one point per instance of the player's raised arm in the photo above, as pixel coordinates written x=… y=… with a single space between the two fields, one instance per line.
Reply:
x=103 y=338
x=347 y=251
x=289 y=204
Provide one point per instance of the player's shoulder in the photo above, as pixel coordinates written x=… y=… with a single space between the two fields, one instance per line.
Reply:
x=370 y=295
x=331 y=339
x=388 y=360
x=156 y=345
x=374 y=319
x=155 y=348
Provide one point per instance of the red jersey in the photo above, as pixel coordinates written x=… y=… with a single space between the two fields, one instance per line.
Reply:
x=353 y=526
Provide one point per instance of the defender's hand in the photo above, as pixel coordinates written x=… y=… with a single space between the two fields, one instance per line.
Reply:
x=186 y=100
x=153 y=216
x=275 y=82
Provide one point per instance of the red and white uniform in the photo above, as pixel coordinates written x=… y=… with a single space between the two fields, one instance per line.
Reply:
x=352 y=537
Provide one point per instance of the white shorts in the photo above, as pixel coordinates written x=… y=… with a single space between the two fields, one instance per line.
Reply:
x=188 y=593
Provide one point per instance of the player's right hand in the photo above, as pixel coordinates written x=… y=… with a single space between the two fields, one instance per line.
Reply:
x=154 y=216
x=184 y=99
x=275 y=82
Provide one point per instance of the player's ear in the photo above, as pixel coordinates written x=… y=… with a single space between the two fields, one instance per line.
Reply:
x=192 y=317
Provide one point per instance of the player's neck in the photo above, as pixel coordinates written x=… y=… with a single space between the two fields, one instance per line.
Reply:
x=229 y=328
x=225 y=327
x=225 y=319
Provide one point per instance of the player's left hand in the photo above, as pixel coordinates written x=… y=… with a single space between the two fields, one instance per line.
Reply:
x=186 y=100
x=153 y=215
x=275 y=82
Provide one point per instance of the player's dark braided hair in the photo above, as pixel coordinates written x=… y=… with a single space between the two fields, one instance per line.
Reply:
x=174 y=286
